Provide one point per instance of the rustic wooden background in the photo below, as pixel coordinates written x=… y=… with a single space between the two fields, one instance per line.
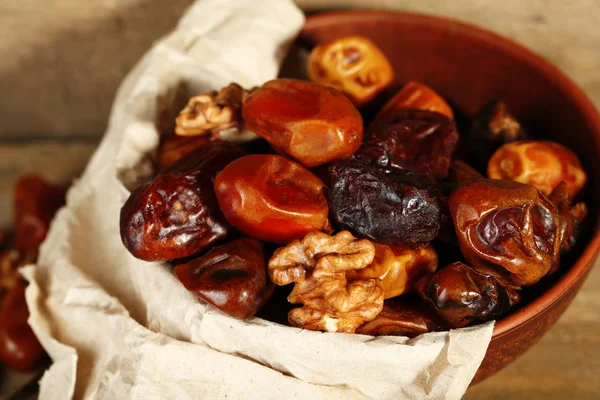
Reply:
x=62 y=60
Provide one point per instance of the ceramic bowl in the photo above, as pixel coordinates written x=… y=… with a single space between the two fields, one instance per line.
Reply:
x=469 y=67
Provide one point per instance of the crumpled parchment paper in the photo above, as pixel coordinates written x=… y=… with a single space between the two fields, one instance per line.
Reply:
x=120 y=328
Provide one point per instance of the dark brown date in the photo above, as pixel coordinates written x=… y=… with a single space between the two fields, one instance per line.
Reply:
x=174 y=147
x=571 y=216
x=507 y=229
x=461 y=295
x=176 y=215
x=458 y=171
x=418 y=140
x=407 y=315
x=19 y=347
x=492 y=127
x=367 y=202
x=232 y=277
x=35 y=203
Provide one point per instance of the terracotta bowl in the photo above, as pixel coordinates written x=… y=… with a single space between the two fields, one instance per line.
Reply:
x=469 y=67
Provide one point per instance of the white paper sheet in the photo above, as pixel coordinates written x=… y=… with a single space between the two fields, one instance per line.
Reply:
x=120 y=328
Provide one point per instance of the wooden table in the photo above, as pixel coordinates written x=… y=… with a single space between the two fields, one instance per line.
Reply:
x=62 y=65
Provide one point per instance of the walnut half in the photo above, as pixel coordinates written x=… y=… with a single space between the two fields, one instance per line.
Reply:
x=215 y=113
x=317 y=265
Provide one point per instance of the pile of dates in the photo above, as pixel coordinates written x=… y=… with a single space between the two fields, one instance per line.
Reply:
x=35 y=203
x=280 y=191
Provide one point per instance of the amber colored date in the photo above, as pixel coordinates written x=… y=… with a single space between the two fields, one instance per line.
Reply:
x=35 y=204
x=407 y=316
x=414 y=95
x=461 y=295
x=176 y=215
x=353 y=65
x=19 y=347
x=272 y=198
x=412 y=139
x=542 y=164
x=398 y=267
x=232 y=277
x=312 y=123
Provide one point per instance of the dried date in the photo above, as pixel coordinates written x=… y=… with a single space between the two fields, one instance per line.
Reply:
x=19 y=347
x=508 y=230
x=35 y=204
x=353 y=65
x=407 y=316
x=175 y=147
x=176 y=215
x=272 y=198
x=571 y=216
x=232 y=277
x=461 y=295
x=538 y=163
x=417 y=140
x=414 y=95
x=312 y=123
x=367 y=202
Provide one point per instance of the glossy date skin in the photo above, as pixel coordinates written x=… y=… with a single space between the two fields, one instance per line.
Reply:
x=414 y=95
x=507 y=230
x=19 y=347
x=232 y=277
x=367 y=202
x=176 y=215
x=571 y=216
x=272 y=198
x=417 y=140
x=407 y=316
x=312 y=123
x=35 y=203
x=461 y=295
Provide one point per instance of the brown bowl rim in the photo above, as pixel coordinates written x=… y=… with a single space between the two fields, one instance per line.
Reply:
x=575 y=95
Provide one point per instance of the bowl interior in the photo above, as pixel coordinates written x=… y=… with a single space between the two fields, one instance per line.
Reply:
x=469 y=67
